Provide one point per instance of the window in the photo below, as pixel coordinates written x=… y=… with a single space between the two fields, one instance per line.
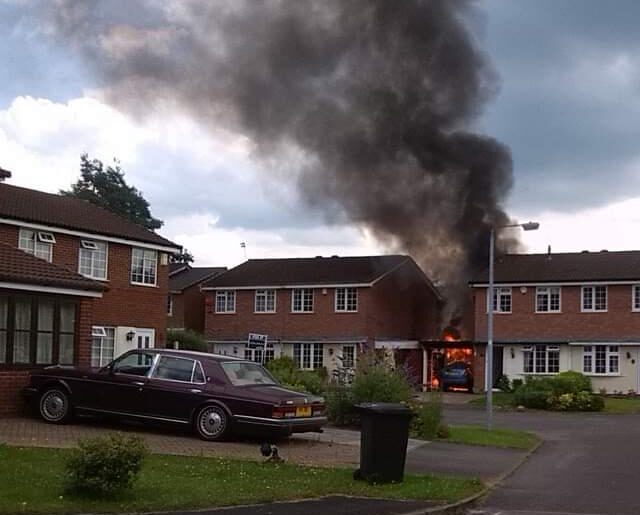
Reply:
x=601 y=359
x=225 y=301
x=170 y=305
x=548 y=300
x=242 y=373
x=102 y=345
x=541 y=359
x=171 y=368
x=143 y=266
x=36 y=330
x=136 y=363
x=40 y=244
x=265 y=301
x=92 y=260
x=594 y=298
x=348 y=356
x=346 y=299
x=302 y=300
x=501 y=300
x=308 y=356
x=256 y=354
x=635 y=294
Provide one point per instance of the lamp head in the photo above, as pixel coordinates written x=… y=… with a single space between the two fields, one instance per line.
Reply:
x=530 y=226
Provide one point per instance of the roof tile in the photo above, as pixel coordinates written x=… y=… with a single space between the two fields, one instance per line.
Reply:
x=70 y=213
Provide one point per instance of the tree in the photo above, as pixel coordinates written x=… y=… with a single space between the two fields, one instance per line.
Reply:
x=183 y=257
x=106 y=187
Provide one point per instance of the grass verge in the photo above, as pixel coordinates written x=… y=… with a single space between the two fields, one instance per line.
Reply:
x=500 y=399
x=620 y=405
x=32 y=483
x=505 y=438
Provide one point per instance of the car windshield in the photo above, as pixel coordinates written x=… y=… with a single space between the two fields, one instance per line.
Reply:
x=243 y=373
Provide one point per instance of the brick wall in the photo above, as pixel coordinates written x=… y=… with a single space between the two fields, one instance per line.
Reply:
x=188 y=310
x=123 y=304
x=324 y=322
x=523 y=323
x=399 y=306
x=12 y=381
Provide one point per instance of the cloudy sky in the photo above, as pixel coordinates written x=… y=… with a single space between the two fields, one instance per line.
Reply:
x=567 y=107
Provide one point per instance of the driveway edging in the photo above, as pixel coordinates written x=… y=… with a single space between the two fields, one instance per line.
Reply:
x=453 y=508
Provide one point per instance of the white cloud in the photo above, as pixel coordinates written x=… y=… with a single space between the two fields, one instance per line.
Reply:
x=612 y=227
x=204 y=186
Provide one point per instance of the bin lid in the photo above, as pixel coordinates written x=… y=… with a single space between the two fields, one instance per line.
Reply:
x=384 y=408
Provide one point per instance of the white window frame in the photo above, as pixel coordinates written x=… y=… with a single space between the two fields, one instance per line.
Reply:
x=46 y=237
x=498 y=293
x=265 y=295
x=549 y=291
x=593 y=289
x=169 y=305
x=635 y=296
x=148 y=257
x=36 y=246
x=309 y=350
x=611 y=355
x=102 y=334
x=303 y=294
x=346 y=296
x=535 y=350
x=93 y=249
x=255 y=355
x=229 y=297
x=352 y=350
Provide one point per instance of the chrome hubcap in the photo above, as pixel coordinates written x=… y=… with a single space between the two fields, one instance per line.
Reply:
x=54 y=406
x=211 y=422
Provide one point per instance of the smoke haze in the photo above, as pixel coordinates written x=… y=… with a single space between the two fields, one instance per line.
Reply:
x=366 y=104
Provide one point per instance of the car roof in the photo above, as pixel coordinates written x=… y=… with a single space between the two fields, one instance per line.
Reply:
x=194 y=354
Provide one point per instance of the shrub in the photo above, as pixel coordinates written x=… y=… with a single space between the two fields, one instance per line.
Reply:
x=516 y=383
x=503 y=383
x=428 y=420
x=567 y=391
x=104 y=465
x=340 y=405
x=285 y=371
x=376 y=381
x=187 y=340
x=570 y=382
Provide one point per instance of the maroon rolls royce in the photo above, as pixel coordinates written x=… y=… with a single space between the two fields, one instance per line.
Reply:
x=216 y=395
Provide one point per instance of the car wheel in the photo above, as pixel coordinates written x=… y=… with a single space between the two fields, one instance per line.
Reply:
x=212 y=423
x=55 y=406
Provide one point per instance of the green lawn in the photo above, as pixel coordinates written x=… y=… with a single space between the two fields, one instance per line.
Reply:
x=477 y=435
x=500 y=399
x=624 y=405
x=32 y=483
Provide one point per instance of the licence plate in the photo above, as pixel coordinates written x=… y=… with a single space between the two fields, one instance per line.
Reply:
x=303 y=411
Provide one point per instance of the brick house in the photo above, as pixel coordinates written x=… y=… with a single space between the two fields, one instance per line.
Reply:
x=185 y=304
x=319 y=309
x=127 y=263
x=570 y=311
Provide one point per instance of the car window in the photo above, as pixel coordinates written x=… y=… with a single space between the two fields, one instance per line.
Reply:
x=174 y=369
x=136 y=363
x=242 y=373
x=198 y=374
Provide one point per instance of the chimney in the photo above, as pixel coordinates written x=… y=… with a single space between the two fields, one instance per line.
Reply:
x=4 y=174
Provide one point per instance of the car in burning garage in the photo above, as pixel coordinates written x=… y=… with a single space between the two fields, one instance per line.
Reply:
x=216 y=395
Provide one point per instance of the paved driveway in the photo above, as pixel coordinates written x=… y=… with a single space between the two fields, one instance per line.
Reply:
x=589 y=464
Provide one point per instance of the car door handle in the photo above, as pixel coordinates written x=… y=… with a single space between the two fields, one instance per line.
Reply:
x=137 y=383
x=195 y=390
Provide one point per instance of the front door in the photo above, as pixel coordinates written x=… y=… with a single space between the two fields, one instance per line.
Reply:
x=144 y=338
x=498 y=362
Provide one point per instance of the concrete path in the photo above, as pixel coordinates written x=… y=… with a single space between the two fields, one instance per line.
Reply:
x=589 y=464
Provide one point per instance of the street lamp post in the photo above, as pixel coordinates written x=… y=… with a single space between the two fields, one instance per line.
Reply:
x=528 y=226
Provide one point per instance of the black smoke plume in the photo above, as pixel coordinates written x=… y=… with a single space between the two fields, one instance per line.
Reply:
x=367 y=104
